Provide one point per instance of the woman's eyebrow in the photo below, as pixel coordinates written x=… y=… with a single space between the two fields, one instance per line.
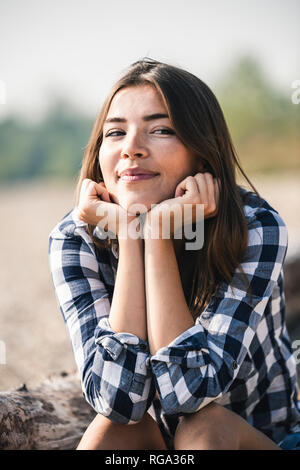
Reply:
x=150 y=117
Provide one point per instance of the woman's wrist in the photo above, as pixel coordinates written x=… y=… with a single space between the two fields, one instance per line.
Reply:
x=129 y=242
x=156 y=227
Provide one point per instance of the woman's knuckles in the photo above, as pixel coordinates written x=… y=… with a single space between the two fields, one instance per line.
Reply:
x=213 y=208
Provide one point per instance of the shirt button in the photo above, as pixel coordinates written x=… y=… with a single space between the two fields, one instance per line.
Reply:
x=143 y=347
x=235 y=365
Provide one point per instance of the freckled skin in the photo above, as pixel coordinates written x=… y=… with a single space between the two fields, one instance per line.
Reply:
x=144 y=144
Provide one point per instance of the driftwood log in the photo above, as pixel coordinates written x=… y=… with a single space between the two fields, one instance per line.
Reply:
x=55 y=414
x=52 y=416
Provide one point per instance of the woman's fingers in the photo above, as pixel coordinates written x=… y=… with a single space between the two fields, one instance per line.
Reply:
x=217 y=191
x=84 y=185
x=212 y=203
x=96 y=208
x=91 y=194
x=92 y=190
x=203 y=189
x=104 y=194
x=214 y=198
x=186 y=187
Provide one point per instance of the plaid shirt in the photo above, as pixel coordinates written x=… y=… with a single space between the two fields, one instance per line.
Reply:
x=237 y=354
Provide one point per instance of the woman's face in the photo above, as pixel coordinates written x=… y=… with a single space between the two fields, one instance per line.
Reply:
x=131 y=140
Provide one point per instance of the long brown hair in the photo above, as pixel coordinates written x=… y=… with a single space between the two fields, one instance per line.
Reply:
x=199 y=123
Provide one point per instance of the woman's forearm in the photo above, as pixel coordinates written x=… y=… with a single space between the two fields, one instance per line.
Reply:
x=128 y=308
x=168 y=314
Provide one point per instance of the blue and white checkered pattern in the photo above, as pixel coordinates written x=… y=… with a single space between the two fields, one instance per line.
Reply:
x=237 y=354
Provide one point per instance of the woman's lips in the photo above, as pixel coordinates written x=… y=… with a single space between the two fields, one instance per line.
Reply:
x=133 y=178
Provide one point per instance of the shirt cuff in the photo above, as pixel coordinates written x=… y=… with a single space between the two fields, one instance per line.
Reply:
x=103 y=234
x=114 y=343
x=189 y=349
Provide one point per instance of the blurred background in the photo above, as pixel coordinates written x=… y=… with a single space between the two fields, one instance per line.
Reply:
x=58 y=59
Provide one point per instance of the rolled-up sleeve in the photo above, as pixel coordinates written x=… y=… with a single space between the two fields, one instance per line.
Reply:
x=121 y=374
x=115 y=376
x=201 y=364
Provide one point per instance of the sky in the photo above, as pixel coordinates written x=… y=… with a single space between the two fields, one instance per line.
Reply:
x=78 y=49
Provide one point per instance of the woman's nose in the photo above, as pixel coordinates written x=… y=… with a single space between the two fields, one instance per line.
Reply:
x=132 y=156
x=134 y=148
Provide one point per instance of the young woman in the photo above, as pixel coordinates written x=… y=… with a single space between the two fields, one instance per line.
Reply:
x=177 y=348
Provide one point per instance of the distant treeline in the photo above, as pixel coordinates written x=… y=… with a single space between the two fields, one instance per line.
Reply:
x=264 y=123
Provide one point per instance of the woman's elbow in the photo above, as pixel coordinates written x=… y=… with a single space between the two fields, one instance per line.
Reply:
x=114 y=410
x=126 y=404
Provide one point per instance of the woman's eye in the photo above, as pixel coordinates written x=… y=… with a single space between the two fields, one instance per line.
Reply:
x=162 y=131
x=168 y=131
x=114 y=132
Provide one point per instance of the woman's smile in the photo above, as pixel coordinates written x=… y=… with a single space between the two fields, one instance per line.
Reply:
x=135 y=178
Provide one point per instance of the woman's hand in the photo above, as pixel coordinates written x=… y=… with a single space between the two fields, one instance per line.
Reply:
x=193 y=190
x=95 y=208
